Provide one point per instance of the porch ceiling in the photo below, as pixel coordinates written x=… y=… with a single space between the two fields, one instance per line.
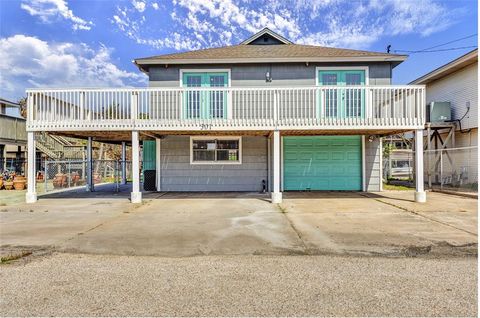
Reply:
x=119 y=136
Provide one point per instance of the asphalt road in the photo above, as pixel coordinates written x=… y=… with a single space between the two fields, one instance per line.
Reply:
x=98 y=285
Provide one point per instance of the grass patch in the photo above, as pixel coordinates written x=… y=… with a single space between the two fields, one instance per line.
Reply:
x=14 y=256
x=387 y=186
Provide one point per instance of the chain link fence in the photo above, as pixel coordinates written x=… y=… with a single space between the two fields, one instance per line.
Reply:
x=452 y=169
x=66 y=174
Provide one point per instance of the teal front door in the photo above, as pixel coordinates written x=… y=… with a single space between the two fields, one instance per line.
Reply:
x=322 y=163
x=205 y=104
x=342 y=103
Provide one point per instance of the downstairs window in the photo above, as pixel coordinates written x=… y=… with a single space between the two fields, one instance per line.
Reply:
x=215 y=150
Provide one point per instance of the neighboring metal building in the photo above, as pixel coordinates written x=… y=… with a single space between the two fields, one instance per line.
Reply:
x=13 y=137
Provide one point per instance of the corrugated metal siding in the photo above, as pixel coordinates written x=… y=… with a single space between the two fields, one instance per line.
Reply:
x=247 y=75
x=179 y=175
x=373 y=164
x=458 y=88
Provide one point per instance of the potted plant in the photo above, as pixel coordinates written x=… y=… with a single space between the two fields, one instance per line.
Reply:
x=60 y=180
x=19 y=182
x=74 y=178
x=8 y=184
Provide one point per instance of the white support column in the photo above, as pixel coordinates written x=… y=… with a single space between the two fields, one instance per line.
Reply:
x=158 y=163
x=420 y=195
x=276 y=194
x=136 y=195
x=90 y=186
x=31 y=195
x=124 y=162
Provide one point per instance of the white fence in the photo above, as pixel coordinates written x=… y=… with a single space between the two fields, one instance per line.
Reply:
x=344 y=107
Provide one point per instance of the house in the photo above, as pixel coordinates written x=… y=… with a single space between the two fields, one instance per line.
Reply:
x=452 y=92
x=263 y=115
x=13 y=137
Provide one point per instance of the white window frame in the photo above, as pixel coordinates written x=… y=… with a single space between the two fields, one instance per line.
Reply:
x=343 y=68
x=239 y=162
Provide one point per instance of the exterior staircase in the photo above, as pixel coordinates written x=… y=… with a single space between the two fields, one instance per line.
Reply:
x=59 y=148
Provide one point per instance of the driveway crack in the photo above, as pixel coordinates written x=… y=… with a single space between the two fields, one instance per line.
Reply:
x=297 y=232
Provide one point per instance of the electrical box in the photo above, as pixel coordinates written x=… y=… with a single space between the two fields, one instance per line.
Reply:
x=439 y=112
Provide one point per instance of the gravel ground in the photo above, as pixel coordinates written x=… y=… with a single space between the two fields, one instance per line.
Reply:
x=97 y=285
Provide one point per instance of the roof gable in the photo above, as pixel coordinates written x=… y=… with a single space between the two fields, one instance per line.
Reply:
x=266 y=37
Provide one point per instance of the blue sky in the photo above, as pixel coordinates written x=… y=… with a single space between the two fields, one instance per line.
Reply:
x=62 y=43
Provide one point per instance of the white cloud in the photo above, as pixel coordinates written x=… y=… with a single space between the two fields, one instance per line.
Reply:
x=155 y=6
x=342 y=23
x=139 y=5
x=47 y=10
x=425 y=17
x=365 y=23
x=30 y=62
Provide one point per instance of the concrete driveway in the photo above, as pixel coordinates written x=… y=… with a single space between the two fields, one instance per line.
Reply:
x=175 y=224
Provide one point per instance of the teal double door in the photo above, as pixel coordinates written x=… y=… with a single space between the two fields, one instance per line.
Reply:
x=202 y=104
x=322 y=163
x=344 y=102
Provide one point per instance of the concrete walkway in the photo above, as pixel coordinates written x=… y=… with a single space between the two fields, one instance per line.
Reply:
x=187 y=224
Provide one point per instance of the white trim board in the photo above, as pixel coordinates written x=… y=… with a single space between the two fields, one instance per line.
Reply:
x=381 y=163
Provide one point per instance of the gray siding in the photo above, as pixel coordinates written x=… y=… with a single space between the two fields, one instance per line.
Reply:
x=177 y=174
x=247 y=75
x=373 y=169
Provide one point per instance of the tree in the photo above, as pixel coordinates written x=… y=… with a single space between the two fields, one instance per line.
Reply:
x=23 y=106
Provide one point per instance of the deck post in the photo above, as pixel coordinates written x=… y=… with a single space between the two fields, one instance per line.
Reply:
x=420 y=195
x=124 y=162
x=90 y=185
x=276 y=194
x=31 y=195
x=136 y=195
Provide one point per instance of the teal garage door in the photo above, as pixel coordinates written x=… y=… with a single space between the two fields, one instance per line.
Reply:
x=322 y=163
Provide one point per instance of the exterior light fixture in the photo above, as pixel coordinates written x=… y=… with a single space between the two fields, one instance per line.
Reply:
x=268 y=77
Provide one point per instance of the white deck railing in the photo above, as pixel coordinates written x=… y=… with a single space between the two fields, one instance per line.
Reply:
x=232 y=108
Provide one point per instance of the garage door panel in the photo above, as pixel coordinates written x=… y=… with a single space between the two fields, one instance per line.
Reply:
x=353 y=156
x=322 y=170
x=322 y=163
x=338 y=155
x=321 y=156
